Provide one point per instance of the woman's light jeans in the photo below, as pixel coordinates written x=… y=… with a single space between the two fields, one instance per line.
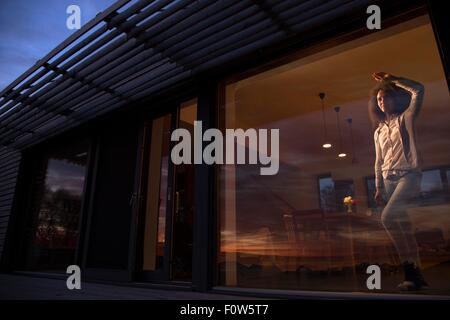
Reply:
x=401 y=193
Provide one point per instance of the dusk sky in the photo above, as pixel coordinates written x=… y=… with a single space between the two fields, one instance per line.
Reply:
x=31 y=29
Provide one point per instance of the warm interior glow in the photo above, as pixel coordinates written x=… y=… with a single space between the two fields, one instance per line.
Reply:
x=301 y=230
x=326 y=145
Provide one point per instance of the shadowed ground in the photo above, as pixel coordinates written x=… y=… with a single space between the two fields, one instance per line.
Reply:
x=14 y=287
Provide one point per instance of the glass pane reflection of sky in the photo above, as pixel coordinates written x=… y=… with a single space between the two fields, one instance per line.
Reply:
x=431 y=181
x=62 y=174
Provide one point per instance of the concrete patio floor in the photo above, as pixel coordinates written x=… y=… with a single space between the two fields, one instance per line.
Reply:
x=21 y=287
x=38 y=287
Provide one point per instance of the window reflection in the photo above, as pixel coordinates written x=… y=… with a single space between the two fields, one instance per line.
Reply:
x=155 y=215
x=370 y=187
x=327 y=194
x=292 y=230
x=58 y=207
x=431 y=182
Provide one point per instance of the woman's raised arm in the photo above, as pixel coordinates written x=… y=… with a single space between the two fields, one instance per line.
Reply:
x=415 y=89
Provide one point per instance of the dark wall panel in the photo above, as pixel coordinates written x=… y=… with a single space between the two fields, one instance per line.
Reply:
x=111 y=214
x=9 y=169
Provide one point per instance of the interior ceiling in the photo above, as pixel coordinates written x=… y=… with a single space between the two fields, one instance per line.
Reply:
x=287 y=97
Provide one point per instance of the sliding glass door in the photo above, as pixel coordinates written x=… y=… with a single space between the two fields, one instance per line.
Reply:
x=167 y=210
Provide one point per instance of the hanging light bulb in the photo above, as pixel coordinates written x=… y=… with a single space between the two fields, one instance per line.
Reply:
x=326 y=144
x=341 y=154
x=349 y=121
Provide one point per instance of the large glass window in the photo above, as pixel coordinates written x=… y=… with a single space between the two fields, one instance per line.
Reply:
x=293 y=230
x=57 y=200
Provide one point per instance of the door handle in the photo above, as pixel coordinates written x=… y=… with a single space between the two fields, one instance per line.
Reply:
x=132 y=198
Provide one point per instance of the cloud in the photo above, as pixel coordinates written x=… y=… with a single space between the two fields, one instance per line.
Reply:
x=31 y=29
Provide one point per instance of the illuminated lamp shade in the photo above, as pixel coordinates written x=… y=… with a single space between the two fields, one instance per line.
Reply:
x=326 y=144
x=341 y=154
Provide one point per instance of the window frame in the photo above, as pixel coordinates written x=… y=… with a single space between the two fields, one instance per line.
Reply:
x=25 y=210
x=301 y=49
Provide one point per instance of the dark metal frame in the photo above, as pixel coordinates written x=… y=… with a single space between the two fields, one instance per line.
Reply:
x=205 y=222
x=326 y=38
x=160 y=275
x=203 y=214
x=14 y=259
x=439 y=20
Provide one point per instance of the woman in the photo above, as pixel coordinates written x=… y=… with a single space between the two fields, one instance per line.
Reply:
x=393 y=107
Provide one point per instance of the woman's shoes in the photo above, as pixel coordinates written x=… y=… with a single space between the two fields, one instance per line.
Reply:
x=414 y=279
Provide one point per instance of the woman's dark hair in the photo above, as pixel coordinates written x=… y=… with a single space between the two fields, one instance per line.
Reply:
x=400 y=96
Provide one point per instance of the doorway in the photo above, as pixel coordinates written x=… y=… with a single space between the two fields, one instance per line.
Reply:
x=167 y=210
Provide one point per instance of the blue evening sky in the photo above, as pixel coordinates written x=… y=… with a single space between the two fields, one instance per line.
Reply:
x=30 y=29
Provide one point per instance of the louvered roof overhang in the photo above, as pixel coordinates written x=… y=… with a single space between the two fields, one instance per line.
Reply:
x=134 y=49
